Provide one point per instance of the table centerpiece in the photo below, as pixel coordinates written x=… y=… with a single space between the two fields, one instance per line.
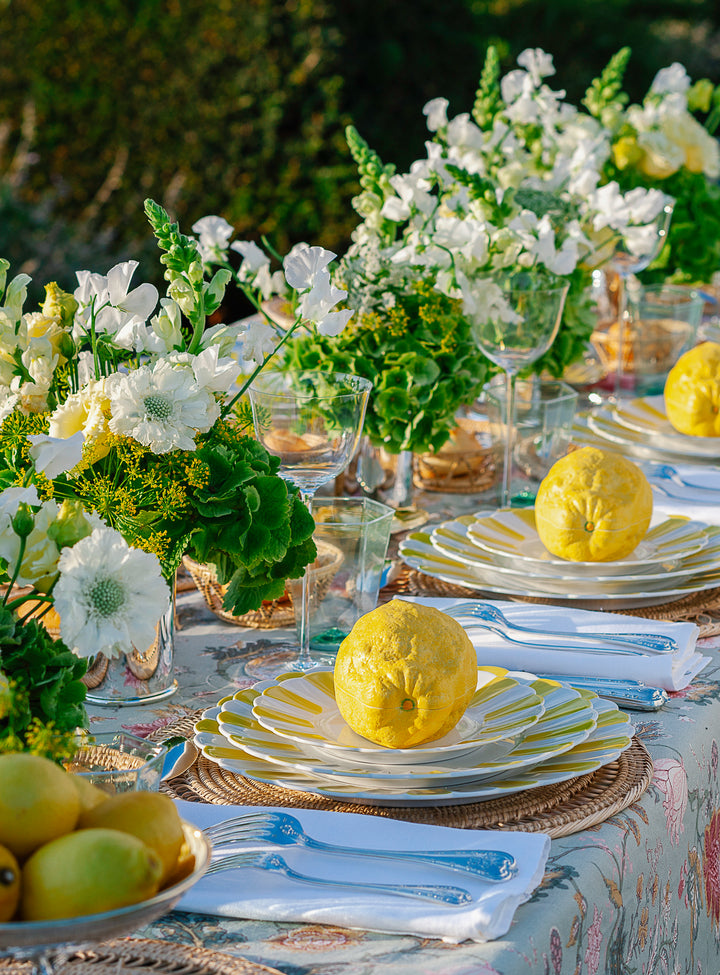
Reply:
x=120 y=406
x=514 y=186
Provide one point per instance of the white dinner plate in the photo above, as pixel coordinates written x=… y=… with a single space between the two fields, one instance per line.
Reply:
x=635 y=445
x=611 y=736
x=418 y=552
x=511 y=534
x=568 y=719
x=452 y=538
x=647 y=415
x=304 y=710
x=603 y=422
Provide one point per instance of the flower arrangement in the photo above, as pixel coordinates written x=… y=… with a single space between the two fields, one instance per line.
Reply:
x=121 y=448
x=661 y=143
x=58 y=560
x=516 y=186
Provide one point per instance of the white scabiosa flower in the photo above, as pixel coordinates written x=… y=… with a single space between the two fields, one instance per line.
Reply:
x=161 y=407
x=109 y=596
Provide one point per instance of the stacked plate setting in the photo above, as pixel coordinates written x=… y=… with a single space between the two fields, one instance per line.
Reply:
x=501 y=553
x=640 y=428
x=518 y=733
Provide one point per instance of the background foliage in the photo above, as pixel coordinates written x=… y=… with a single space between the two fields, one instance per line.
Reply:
x=238 y=107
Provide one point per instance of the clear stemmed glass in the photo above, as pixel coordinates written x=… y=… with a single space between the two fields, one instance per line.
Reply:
x=635 y=251
x=515 y=333
x=312 y=421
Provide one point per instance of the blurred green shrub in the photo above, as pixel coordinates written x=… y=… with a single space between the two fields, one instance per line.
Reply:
x=239 y=107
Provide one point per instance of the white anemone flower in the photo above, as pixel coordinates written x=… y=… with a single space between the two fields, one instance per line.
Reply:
x=109 y=596
x=161 y=407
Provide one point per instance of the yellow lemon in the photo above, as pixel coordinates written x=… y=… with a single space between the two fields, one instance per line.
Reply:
x=38 y=802
x=404 y=674
x=692 y=392
x=151 y=816
x=593 y=506
x=87 y=872
x=9 y=885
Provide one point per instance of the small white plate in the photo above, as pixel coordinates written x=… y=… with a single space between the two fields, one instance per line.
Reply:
x=304 y=710
x=511 y=534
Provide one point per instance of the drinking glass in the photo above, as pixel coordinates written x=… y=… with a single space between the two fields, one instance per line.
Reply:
x=635 y=251
x=312 y=421
x=519 y=327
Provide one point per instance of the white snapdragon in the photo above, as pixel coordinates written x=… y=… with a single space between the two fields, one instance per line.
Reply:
x=167 y=325
x=673 y=79
x=257 y=340
x=303 y=264
x=436 y=113
x=214 y=234
x=538 y=64
x=210 y=371
x=107 y=301
x=255 y=268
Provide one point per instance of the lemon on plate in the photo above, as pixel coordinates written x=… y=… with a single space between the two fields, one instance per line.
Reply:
x=405 y=674
x=692 y=392
x=593 y=506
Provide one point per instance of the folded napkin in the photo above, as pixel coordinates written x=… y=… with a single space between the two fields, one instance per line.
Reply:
x=268 y=895
x=697 y=497
x=671 y=671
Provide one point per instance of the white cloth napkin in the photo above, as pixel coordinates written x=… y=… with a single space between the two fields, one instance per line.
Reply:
x=268 y=895
x=698 y=497
x=671 y=671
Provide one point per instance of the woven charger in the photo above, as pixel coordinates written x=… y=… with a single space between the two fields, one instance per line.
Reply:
x=557 y=810
x=138 y=955
x=272 y=614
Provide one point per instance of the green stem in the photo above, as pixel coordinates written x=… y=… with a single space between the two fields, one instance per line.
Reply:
x=16 y=573
x=258 y=369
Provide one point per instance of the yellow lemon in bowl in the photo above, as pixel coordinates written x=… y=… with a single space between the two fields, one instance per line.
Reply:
x=593 y=506
x=692 y=392
x=405 y=674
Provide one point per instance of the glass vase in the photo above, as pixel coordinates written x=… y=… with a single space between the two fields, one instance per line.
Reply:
x=140 y=677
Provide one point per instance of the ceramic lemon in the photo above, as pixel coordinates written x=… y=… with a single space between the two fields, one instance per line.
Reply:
x=593 y=506
x=404 y=674
x=692 y=392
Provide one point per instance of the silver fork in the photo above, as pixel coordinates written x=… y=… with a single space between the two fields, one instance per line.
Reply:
x=491 y=618
x=455 y=896
x=281 y=829
x=668 y=473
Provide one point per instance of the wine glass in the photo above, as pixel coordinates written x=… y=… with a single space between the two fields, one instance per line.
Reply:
x=520 y=325
x=312 y=421
x=636 y=249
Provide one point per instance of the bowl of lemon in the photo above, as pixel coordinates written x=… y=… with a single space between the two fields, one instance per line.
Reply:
x=79 y=865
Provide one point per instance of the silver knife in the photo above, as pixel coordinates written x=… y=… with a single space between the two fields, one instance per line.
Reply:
x=633 y=694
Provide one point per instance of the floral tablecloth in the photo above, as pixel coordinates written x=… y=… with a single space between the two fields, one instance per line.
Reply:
x=639 y=893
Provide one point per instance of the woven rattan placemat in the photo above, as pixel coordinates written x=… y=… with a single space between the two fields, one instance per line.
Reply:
x=557 y=810
x=137 y=956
